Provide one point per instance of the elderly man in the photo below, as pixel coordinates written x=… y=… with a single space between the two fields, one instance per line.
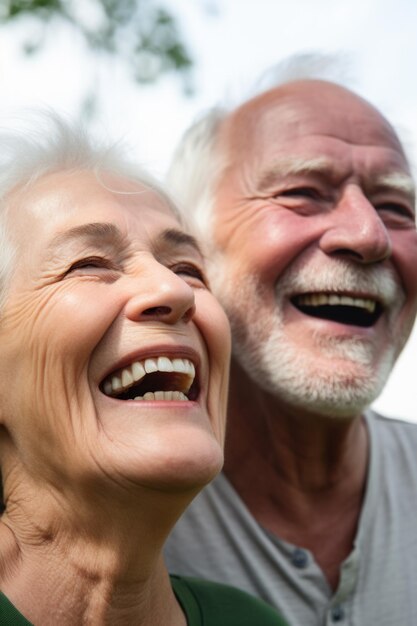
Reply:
x=306 y=203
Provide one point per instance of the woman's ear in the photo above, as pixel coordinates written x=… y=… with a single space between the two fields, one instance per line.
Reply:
x=4 y=437
x=2 y=505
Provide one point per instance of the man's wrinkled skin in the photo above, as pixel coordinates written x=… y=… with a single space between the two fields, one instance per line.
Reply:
x=316 y=197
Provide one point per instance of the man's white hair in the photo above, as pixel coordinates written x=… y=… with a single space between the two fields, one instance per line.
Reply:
x=198 y=162
x=44 y=143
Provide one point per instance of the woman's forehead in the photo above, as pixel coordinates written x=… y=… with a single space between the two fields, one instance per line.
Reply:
x=66 y=199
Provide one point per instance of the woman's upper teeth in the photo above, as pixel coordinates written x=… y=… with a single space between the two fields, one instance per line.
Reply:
x=320 y=299
x=127 y=376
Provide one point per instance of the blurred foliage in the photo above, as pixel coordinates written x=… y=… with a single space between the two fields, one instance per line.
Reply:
x=141 y=33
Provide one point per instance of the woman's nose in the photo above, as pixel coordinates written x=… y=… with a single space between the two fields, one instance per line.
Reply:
x=165 y=297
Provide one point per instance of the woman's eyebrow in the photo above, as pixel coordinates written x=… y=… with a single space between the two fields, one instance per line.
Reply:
x=95 y=232
x=106 y=233
x=177 y=237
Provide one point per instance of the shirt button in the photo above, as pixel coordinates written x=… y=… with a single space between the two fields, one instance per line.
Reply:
x=337 y=614
x=299 y=558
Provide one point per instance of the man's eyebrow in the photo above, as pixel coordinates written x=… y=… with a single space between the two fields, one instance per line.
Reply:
x=179 y=238
x=96 y=232
x=398 y=181
x=322 y=165
x=292 y=166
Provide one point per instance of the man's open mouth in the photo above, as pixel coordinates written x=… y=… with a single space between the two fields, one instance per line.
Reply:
x=340 y=308
x=158 y=378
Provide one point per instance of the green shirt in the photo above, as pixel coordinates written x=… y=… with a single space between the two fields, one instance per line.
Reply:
x=212 y=604
x=9 y=615
x=204 y=604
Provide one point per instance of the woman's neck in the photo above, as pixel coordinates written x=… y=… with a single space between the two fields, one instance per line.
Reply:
x=110 y=572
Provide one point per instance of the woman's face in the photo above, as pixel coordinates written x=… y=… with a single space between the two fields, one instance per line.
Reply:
x=107 y=288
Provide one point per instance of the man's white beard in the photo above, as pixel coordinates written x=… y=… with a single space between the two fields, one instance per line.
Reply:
x=342 y=375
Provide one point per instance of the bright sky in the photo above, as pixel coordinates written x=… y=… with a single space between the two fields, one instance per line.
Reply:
x=233 y=42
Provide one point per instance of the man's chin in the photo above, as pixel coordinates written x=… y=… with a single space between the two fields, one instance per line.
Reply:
x=340 y=384
x=343 y=403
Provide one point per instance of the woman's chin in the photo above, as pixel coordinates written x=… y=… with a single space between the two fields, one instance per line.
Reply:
x=168 y=465
x=181 y=472
x=190 y=474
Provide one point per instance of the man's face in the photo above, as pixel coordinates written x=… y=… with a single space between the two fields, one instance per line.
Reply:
x=114 y=352
x=314 y=226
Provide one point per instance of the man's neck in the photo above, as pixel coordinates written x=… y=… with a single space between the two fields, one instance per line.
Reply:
x=302 y=476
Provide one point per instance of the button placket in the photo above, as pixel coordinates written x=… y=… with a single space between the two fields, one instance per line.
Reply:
x=299 y=558
x=337 y=613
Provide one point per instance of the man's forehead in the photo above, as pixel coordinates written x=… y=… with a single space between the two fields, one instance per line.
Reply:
x=305 y=93
x=312 y=126
x=308 y=107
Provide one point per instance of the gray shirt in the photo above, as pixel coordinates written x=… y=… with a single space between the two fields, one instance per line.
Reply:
x=218 y=539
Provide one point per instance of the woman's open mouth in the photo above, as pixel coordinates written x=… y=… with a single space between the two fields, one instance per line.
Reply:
x=158 y=378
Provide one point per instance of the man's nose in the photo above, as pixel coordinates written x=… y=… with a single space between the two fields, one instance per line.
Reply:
x=162 y=296
x=356 y=229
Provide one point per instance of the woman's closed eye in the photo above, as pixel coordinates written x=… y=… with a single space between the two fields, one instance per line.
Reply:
x=192 y=273
x=90 y=264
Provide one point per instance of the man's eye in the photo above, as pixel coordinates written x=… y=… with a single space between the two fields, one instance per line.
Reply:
x=397 y=208
x=300 y=192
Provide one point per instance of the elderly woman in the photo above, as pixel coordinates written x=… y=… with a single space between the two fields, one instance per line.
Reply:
x=112 y=392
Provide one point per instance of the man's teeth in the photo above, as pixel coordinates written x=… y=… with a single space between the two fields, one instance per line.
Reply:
x=320 y=299
x=134 y=373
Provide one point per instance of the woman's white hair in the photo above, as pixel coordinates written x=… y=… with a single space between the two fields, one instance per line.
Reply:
x=198 y=162
x=46 y=142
